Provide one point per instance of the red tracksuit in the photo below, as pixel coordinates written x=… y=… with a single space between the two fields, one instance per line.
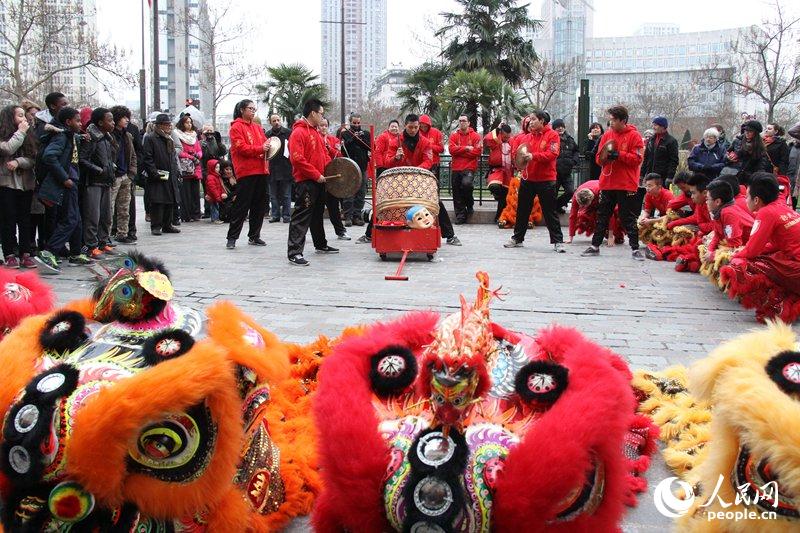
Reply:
x=621 y=174
x=421 y=157
x=465 y=149
x=501 y=172
x=247 y=148
x=659 y=202
x=700 y=218
x=732 y=227
x=434 y=136
x=307 y=152
x=544 y=145
x=334 y=146
x=776 y=228
x=680 y=201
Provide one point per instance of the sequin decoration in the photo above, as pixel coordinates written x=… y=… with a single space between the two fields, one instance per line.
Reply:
x=391 y=366
x=761 y=483
x=426 y=527
x=505 y=362
x=28 y=507
x=19 y=459
x=541 y=383
x=433 y=496
x=792 y=372
x=258 y=474
x=168 y=347
x=434 y=449
x=14 y=292
x=69 y=502
x=26 y=418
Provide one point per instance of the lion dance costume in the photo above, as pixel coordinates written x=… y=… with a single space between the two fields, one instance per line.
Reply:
x=118 y=416
x=730 y=425
x=466 y=426
x=509 y=215
x=21 y=294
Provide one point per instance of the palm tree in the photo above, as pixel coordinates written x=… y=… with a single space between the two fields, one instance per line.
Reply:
x=288 y=88
x=481 y=94
x=489 y=34
x=423 y=87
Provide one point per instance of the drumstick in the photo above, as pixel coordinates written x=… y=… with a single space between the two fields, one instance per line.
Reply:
x=333 y=176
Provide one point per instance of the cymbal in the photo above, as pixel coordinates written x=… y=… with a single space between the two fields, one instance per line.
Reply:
x=274 y=147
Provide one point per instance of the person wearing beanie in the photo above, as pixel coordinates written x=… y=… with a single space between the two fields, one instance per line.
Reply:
x=568 y=157
x=661 y=152
x=747 y=153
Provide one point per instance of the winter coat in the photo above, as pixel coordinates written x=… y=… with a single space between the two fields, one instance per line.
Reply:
x=130 y=152
x=356 y=146
x=247 y=149
x=794 y=162
x=746 y=162
x=420 y=157
x=280 y=168
x=661 y=159
x=434 y=136
x=778 y=152
x=58 y=156
x=567 y=156
x=98 y=158
x=212 y=149
x=307 y=151
x=22 y=178
x=158 y=153
x=381 y=146
x=544 y=145
x=621 y=174
x=708 y=161
x=590 y=154
x=190 y=152
x=214 y=188
x=465 y=150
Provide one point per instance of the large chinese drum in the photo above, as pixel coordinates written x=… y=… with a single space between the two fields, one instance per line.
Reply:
x=402 y=187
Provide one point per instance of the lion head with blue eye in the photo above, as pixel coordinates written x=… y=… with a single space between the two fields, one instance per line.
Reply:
x=139 y=290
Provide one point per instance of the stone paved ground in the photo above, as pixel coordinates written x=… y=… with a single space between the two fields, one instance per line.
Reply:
x=647 y=312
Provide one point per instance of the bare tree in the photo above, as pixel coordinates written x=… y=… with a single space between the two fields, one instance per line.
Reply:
x=763 y=61
x=677 y=103
x=548 y=79
x=223 y=72
x=41 y=42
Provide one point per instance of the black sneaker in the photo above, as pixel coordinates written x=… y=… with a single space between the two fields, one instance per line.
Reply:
x=327 y=250
x=274 y=220
x=298 y=260
x=256 y=242
x=171 y=229
x=591 y=252
x=453 y=241
x=231 y=244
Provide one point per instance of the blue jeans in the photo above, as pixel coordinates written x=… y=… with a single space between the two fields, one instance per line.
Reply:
x=280 y=198
x=214 y=209
x=68 y=225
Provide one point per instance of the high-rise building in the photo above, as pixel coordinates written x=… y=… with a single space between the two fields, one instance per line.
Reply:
x=183 y=57
x=365 y=48
x=77 y=83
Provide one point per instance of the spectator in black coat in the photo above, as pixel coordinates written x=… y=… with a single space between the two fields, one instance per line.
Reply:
x=568 y=157
x=280 y=173
x=160 y=163
x=590 y=154
x=661 y=152
x=213 y=148
x=356 y=144
x=777 y=149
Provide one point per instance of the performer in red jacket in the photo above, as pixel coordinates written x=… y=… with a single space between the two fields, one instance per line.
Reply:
x=436 y=138
x=500 y=168
x=382 y=145
x=700 y=217
x=309 y=157
x=656 y=199
x=732 y=224
x=539 y=179
x=248 y=153
x=620 y=156
x=465 y=149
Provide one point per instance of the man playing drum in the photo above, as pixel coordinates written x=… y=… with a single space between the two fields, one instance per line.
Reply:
x=309 y=157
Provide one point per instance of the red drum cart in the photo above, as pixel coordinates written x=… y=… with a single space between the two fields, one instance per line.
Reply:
x=395 y=191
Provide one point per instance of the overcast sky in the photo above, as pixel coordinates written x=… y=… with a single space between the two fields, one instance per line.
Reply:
x=286 y=32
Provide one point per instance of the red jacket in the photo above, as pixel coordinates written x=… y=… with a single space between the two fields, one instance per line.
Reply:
x=334 y=146
x=501 y=171
x=421 y=157
x=658 y=203
x=247 y=149
x=733 y=227
x=307 y=152
x=434 y=136
x=465 y=149
x=776 y=228
x=741 y=198
x=381 y=145
x=622 y=174
x=214 y=188
x=544 y=145
x=576 y=210
x=700 y=218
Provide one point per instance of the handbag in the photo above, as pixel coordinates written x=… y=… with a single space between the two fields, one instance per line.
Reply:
x=186 y=166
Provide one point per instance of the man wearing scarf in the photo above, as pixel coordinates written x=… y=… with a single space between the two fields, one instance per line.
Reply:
x=161 y=168
x=412 y=149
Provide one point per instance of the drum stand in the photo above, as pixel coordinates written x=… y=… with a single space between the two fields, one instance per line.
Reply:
x=398 y=276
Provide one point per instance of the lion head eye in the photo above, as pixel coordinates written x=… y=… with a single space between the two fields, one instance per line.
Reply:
x=161 y=442
x=784 y=370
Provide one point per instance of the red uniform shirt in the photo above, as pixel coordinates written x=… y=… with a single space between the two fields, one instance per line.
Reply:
x=465 y=149
x=700 y=218
x=499 y=159
x=421 y=157
x=544 y=145
x=732 y=227
x=334 y=146
x=381 y=144
x=576 y=210
x=621 y=174
x=679 y=202
x=659 y=203
x=741 y=198
x=307 y=152
x=434 y=136
x=247 y=149
x=776 y=228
